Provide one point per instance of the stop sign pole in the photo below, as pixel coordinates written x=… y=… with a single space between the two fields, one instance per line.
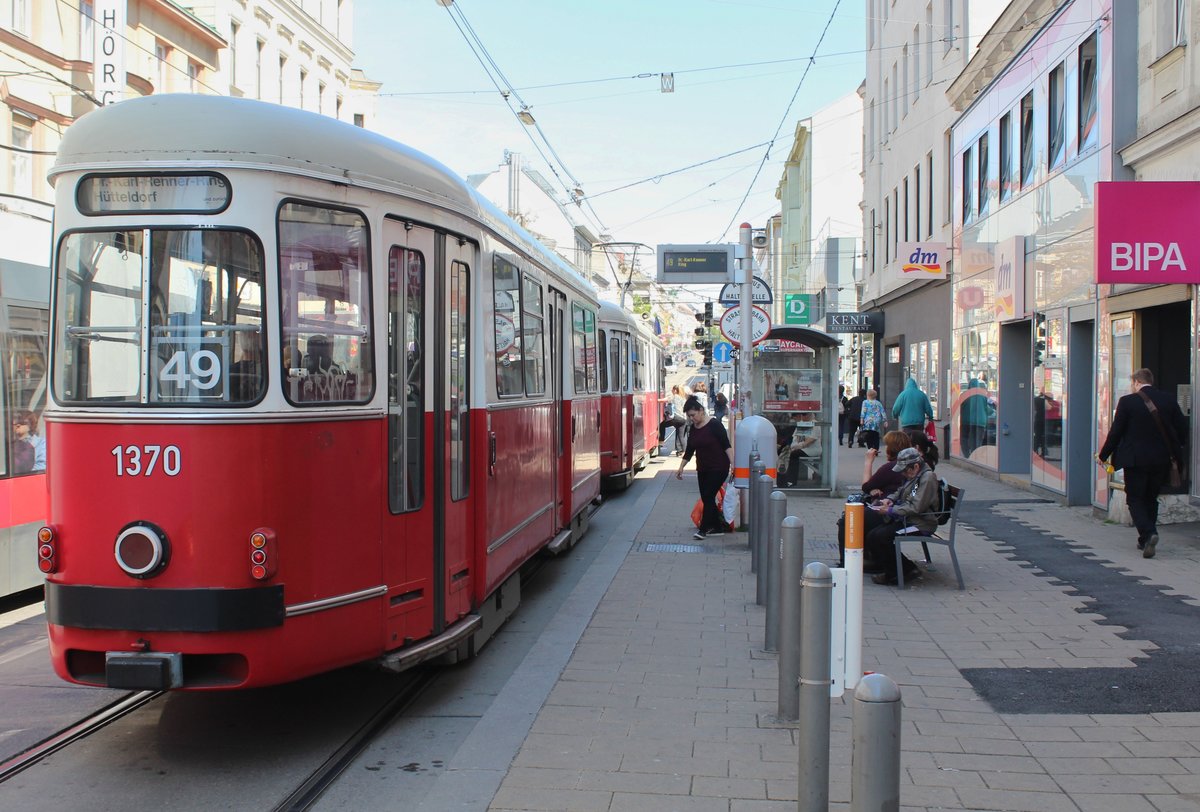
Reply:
x=746 y=345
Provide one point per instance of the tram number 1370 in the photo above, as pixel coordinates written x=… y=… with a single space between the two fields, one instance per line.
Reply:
x=135 y=460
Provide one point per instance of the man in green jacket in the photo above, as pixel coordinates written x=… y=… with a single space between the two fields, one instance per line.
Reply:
x=912 y=408
x=912 y=505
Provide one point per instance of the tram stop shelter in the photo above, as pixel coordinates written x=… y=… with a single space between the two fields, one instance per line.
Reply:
x=795 y=370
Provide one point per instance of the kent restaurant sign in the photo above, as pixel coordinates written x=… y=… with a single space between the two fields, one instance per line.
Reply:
x=1146 y=232
x=854 y=322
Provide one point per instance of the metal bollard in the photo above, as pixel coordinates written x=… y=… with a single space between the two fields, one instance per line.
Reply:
x=774 y=553
x=854 y=525
x=791 y=562
x=756 y=471
x=817 y=600
x=762 y=510
x=875 y=757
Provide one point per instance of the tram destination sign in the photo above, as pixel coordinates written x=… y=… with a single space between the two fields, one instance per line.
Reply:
x=174 y=193
x=854 y=323
x=695 y=264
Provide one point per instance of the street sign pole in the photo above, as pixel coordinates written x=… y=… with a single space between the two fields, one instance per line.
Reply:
x=747 y=342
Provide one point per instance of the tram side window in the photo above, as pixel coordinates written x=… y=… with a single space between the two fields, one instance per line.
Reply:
x=406 y=379
x=459 y=379
x=520 y=364
x=532 y=337
x=192 y=298
x=583 y=336
x=24 y=353
x=325 y=296
x=614 y=363
x=603 y=360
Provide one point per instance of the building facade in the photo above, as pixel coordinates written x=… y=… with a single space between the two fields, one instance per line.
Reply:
x=814 y=244
x=915 y=49
x=1040 y=351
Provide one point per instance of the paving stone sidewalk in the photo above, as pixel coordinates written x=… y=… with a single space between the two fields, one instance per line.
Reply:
x=668 y=701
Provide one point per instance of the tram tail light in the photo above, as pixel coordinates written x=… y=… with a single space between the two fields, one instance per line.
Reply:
x=263 y=559
x=47 y=550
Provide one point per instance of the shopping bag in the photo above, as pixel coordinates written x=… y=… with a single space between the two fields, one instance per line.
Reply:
x=729 y=508
x=931 y=431
x=698 y=510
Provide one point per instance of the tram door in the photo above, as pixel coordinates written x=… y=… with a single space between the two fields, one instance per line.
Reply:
x=454 y=519
x=556 y=306
x=428 y=524
x=408 y=538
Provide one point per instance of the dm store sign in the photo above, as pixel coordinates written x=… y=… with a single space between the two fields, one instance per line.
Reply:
x=922 y=260
x=1146 y=232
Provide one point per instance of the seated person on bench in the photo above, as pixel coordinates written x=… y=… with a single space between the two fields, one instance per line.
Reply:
x=911 y=505
x=805 y=441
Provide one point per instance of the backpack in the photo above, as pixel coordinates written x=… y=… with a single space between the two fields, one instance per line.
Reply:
x=944 y=502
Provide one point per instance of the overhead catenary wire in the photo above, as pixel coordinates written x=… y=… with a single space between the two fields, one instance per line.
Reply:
x=508 y=92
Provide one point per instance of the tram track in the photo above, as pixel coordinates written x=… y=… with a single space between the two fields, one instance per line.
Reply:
x=311 y=789
x=80 y=730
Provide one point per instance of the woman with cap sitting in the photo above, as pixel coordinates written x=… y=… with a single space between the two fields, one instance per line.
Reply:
x=911 y=505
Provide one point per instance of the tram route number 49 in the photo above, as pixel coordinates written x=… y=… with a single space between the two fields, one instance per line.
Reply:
x=202 y=370
x=133 y=460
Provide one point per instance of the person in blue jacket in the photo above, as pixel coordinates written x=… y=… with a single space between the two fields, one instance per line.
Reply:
x=912 y=408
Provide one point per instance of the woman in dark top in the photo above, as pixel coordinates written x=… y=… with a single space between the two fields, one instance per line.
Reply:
x=709 y=441
x=885 y=480
x=878 y=484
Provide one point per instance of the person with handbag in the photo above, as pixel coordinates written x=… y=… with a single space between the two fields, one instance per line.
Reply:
x=709 y=442
x=1145 y=441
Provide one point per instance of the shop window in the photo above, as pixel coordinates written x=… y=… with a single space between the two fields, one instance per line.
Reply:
x=1088 y=95
x=1056 y=117
x=1027 y=140
x=1006 y=156
x=981 y=152
x=968 y=185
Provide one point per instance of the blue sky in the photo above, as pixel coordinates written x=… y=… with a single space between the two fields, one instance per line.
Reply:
x=608 y=128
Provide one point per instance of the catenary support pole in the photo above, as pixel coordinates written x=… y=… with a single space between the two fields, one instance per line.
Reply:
x=817 y=602
x=745 y=302
x=875 y=754
x=774 y=566
x=791 y=564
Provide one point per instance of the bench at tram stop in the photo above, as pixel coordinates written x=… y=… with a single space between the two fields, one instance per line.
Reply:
x=944 y=535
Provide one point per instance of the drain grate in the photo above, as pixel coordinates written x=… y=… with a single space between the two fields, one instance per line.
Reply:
x=673 y=548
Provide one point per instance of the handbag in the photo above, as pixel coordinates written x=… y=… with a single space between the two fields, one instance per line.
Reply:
x=1176 y=476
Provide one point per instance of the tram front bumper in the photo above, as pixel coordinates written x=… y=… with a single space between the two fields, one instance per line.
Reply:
x=148 y=671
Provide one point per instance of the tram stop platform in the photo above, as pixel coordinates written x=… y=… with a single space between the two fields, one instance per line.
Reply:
x=1063 y=678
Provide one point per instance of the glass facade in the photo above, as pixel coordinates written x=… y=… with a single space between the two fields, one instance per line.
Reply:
x=1024 y=240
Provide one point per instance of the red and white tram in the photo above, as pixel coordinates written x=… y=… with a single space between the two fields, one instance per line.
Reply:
x=313 y=400
x=631 y=380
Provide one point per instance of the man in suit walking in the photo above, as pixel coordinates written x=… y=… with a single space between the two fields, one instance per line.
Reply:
x=1146 y=435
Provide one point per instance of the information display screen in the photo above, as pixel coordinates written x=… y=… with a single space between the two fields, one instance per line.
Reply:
x=696 y=264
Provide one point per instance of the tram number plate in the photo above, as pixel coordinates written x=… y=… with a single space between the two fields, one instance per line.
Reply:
x=144 y=460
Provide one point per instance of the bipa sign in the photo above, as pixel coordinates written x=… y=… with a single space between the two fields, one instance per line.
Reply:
x=1146 y=233
x=923 y=260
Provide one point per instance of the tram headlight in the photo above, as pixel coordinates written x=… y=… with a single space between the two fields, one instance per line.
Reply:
x=142 y=550
x=263 y=560
x=47 y=550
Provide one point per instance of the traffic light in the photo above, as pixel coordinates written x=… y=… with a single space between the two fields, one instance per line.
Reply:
x=701 y=332
x=708 y=314
x=708 y=353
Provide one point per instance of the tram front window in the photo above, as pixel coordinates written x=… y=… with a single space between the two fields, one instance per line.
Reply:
x=160 y=317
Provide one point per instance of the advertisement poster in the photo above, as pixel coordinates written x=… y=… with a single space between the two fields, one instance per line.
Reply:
x=792 y=390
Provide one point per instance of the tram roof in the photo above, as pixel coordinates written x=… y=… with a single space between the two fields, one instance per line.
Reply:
x=175 y=129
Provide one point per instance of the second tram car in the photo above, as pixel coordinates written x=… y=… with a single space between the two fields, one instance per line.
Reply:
x=631 y=379
x=313 y=400
x=24 y=319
